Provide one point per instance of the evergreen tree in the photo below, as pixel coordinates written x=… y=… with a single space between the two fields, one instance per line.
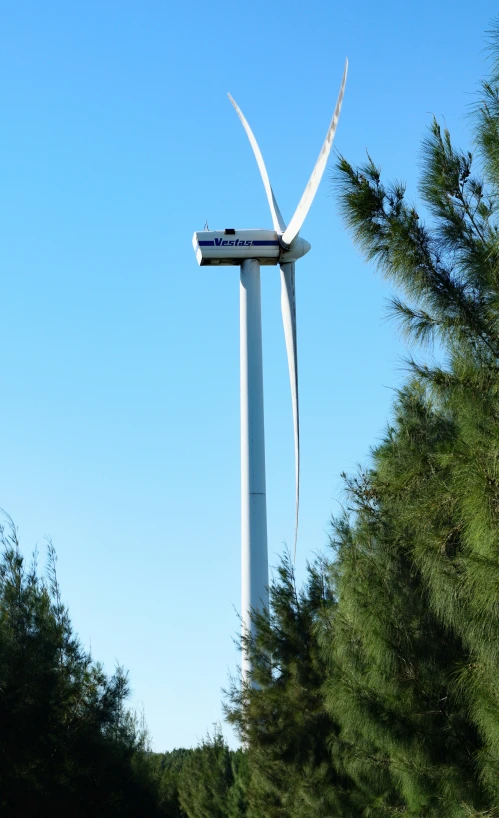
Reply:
x=282 y=717
x=68 y=744
x=207 y=784
x=237 y=799
x=214 y=781
x=420 y=680
x=166 y=769
x=411 y=741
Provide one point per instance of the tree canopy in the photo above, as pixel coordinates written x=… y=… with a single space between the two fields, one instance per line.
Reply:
x=69 y=745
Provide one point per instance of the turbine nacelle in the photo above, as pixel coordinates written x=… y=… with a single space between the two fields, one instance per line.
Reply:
x=231 y=247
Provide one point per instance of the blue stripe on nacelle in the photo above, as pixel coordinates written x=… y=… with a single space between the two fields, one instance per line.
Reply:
x=240 y=243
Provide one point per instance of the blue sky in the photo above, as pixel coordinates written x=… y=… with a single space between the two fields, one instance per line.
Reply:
x=120 y=360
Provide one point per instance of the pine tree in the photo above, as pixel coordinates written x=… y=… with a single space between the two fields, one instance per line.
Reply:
x=207 y=786
x=411 y=740
x=68 y=744
x=282 y=718
x=433 y=529
x=166 y=769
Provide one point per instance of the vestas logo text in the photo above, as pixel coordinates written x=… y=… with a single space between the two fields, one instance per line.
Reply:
x=233 y=243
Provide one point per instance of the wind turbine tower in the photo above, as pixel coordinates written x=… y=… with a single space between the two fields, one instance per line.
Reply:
x=250 y=249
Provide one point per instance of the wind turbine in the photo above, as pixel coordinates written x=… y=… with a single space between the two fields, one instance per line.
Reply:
x=249 y=249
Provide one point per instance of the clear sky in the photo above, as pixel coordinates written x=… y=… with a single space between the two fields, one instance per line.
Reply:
x=120 y=356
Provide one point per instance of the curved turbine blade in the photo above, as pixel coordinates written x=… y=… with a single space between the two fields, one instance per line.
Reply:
x=306 y=200
x=277 y=220
x=288 y=308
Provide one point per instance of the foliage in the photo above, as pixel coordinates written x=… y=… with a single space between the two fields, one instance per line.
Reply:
x=392 y=680
x=414 y=657
x=281 y=716
x=209 y=780
x=166 y=768
x=69 y=744
x=211 y=783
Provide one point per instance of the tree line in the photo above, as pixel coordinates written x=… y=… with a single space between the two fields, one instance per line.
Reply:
x=375 y=685
x=69 y=744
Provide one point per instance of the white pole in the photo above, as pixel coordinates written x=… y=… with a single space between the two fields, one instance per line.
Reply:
x=254 y=559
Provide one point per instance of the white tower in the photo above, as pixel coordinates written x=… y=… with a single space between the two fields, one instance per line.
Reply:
x=254 y=558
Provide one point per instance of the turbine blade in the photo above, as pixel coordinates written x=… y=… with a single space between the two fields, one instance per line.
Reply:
x=277 y=220
x=288 y=308
x=306 y=200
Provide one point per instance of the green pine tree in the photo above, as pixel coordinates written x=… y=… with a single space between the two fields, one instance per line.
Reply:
x=411 y=741
x=422 y=676
x=68 y=743
x=166 y=768
x=282 y=718
x=207 y=785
